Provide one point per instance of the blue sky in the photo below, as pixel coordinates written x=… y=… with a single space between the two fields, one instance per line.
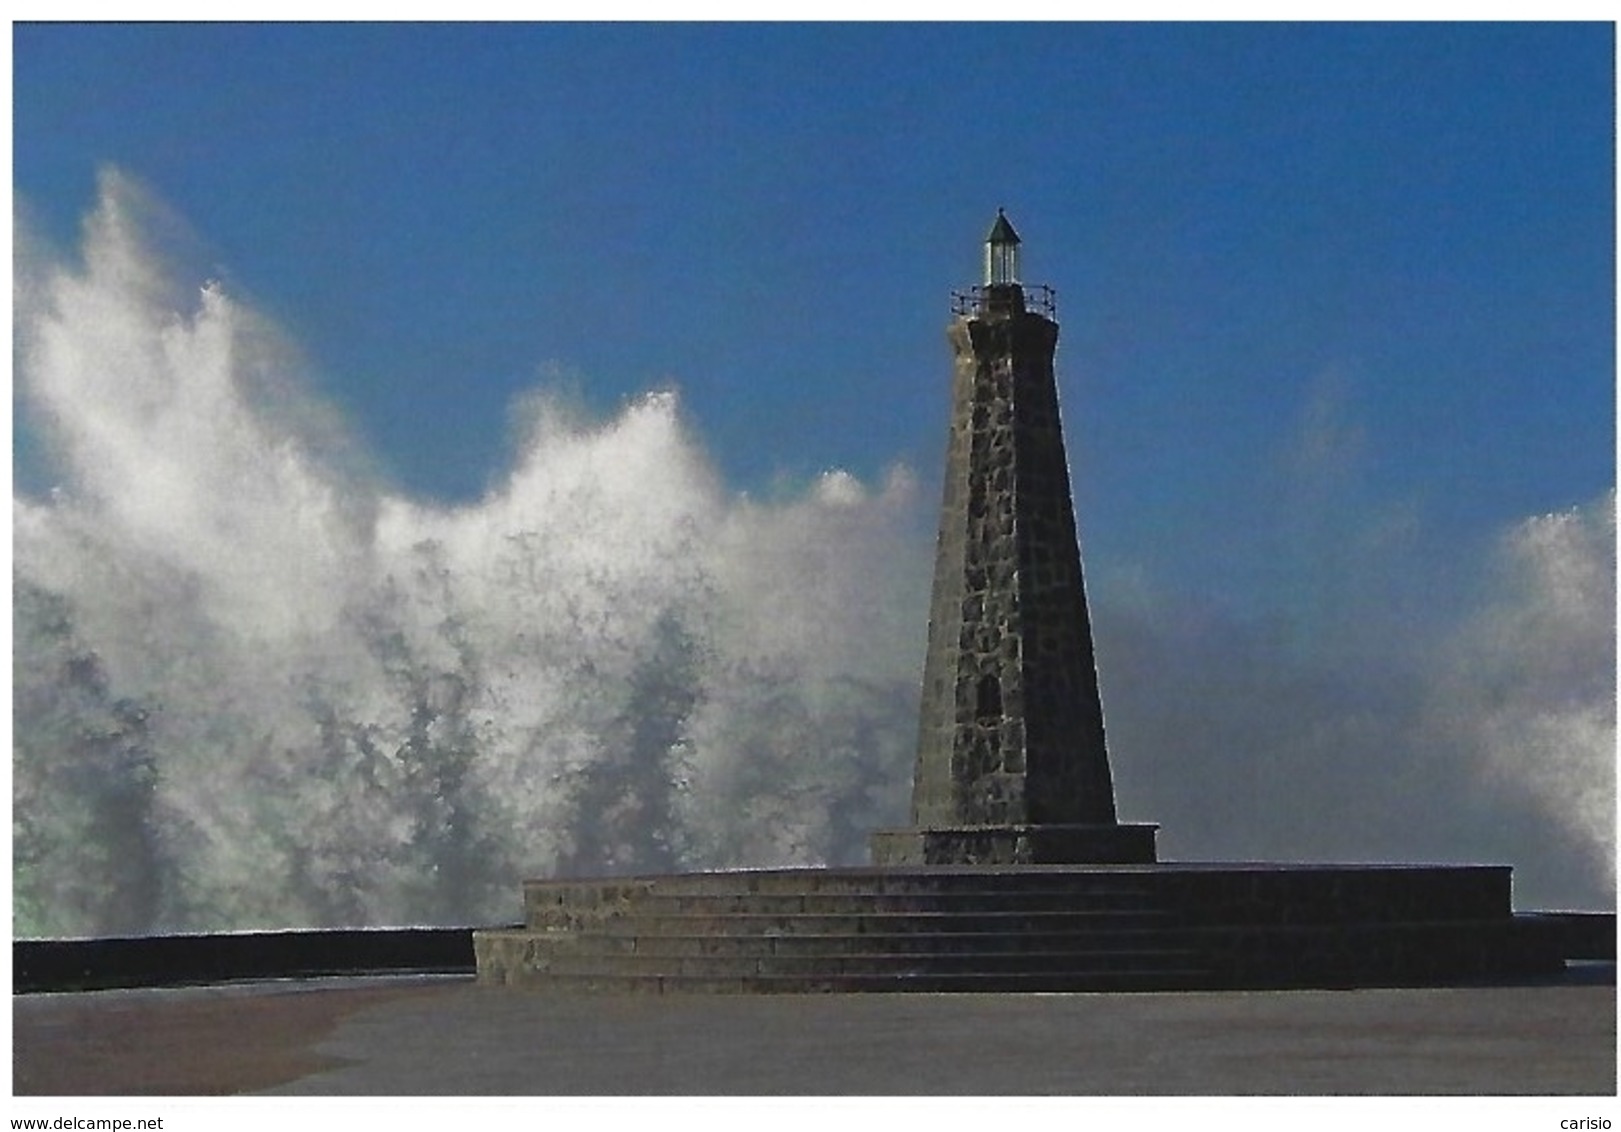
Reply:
x=1315 y=282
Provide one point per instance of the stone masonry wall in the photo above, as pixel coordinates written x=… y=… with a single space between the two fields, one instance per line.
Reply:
x=1011 y=726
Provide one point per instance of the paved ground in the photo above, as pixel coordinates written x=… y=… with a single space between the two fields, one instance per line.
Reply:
x=410 y=1037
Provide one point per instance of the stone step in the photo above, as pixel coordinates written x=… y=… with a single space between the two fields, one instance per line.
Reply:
x=868 y=879
x=539 y=910
x=629 y=942
x=651 y=922
x=1142 y=961
x=657 y=902
x=1075 y=981
x=839 y=906
x=1203 y=894
x=1098 y=882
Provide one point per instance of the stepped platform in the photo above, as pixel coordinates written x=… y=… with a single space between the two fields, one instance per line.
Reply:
x=1125 y=927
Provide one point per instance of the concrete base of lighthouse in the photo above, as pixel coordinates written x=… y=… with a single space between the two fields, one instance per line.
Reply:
x=1042 y=928
x=1015 y=845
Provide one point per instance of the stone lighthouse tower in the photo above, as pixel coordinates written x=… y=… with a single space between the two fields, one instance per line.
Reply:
x=1012 y=766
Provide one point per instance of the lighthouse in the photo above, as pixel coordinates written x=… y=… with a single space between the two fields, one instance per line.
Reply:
x=1012 y=761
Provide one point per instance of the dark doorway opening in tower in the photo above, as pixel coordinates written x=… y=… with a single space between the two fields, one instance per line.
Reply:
x=988 y=714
